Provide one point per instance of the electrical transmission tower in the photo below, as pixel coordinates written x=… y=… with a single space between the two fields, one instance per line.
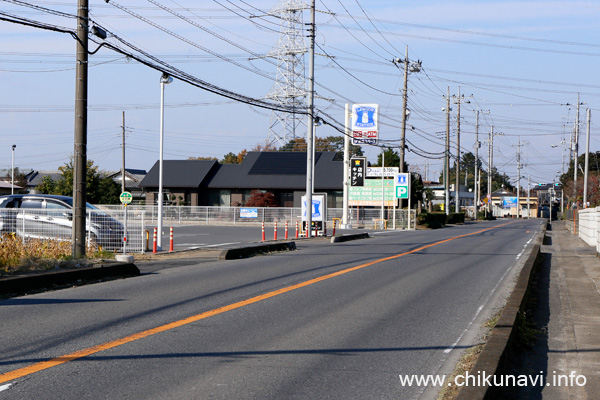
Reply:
x=290 y=85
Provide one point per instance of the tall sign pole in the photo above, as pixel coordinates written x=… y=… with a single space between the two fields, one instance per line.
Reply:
x=80 y=142
x=310 y=122
x=346 y=165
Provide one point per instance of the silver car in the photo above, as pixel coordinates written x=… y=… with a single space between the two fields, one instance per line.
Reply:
x=47 y=216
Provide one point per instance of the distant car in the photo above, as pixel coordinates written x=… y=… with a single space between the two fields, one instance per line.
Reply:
x=46 y=216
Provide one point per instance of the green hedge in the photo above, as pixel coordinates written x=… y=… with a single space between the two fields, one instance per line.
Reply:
x=432 y=220
x=456 y=218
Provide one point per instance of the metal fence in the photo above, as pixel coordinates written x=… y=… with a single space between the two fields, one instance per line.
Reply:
x=358 y=216
x=104 y=228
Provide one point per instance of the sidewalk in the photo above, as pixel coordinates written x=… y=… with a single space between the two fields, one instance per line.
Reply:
x=567 y=313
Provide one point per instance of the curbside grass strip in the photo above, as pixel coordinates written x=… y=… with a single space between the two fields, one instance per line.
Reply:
x=22 y=284
x=249 y=251
x=353 y=236
x=495 y=356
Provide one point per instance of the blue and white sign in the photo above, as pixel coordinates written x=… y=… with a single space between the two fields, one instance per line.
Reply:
x=364 y=116
x=365 y=128
x=248 y=212
x=319 y=207
x=402 y=184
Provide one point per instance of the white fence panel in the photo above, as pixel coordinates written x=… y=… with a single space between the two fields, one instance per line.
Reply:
x=588 y=226
x=358 y=216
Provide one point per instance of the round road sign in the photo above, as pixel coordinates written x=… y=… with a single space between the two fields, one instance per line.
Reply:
x=126 y=198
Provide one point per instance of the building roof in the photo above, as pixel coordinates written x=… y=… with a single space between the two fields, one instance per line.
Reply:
x=35 y=177
x=7 y=185
x=279 y=170
x=133 y=177
x=258 y=170
x=179 y=173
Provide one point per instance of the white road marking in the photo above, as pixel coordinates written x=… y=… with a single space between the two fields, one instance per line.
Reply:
x=449 y=349
x=4 y=387
x=221 y=244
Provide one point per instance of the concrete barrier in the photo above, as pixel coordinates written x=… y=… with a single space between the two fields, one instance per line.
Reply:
x=249 y=251
x=15 y=285
x=352 y=236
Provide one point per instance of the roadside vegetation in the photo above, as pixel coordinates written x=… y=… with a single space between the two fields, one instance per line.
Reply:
x=22 y=256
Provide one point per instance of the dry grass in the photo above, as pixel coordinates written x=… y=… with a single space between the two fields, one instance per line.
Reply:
x=466 y=363
x=18 y=255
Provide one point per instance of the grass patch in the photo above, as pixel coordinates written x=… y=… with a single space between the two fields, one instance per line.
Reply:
x=466 y=363
x=23 y=255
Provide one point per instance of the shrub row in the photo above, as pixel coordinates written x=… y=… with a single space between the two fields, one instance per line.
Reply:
x=439 y=219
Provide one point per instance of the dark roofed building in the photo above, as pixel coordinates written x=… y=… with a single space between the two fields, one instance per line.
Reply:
x=186 y=180
x=281 y=173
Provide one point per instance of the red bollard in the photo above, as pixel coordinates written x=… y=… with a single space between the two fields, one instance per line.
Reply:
x=286 y=230
x=296 y=229
x=316 y=230
x=154 y=241
x=171 y=240
x=275 y=231
x=263 y=231
x=333 y=228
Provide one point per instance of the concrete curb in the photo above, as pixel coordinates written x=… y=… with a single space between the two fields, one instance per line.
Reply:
x=249 y=251
x=495 y=356
x=21 y=284
x=352 y=236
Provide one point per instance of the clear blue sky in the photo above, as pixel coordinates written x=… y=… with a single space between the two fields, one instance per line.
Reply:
x=519 y=62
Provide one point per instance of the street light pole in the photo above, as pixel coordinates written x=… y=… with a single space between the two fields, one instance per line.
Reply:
x=165 y=79
x=12 y=179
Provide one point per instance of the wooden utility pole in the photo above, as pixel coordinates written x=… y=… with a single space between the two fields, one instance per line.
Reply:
x=447 y=160
x=80 y=142
x=457 y=183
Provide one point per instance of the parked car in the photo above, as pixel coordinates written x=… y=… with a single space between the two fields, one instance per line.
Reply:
x=47 y=216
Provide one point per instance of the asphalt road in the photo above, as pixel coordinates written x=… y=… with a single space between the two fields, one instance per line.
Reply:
x=328 y=321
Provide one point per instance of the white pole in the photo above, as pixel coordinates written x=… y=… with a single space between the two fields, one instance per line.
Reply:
x=12 y=179
x=346 y=167
x=165 y=79
x=310 y=122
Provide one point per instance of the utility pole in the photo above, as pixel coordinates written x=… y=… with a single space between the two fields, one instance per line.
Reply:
x=490 y=158
x=123 y=157
x=80 y=142
x=457 y=183
x=310 y=122
x=408 y=67
x=447 y=158
x=576 y=150
x=476 y=182
x=518 y=176
x=587 y=158
x=528 y=192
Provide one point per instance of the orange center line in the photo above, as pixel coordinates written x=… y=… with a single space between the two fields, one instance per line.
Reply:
x=31 y=369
